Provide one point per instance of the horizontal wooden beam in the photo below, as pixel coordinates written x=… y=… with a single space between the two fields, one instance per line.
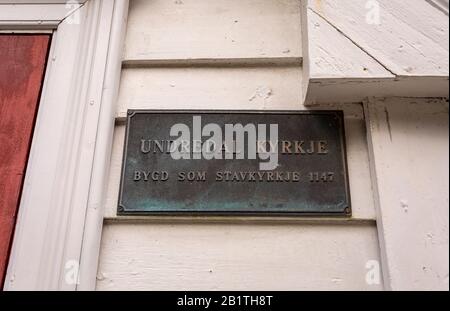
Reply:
x=46 y=15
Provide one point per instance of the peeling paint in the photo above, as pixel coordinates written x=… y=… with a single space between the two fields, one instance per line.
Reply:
x=405 y=205
x=263 y=92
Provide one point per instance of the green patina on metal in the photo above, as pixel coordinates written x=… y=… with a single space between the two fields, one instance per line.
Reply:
x=307 y=181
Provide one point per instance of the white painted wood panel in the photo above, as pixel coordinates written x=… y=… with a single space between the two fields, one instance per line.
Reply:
x=411 y=38
x=358 y=90
x=236 y=257
x=211 y=88
x=182 y=56
x=332 y=55
x=199 y=29
x=359 y=49
x=410 y=152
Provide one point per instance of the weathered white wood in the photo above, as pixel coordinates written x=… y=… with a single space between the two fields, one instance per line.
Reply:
x=347 y=59
x=51 y=218
x=187 y=29
x=210 y=88
x=333 y=55
x=409 y=158
x=236 y=257
x=411 y=40
x=360 y=184
x=357 y=90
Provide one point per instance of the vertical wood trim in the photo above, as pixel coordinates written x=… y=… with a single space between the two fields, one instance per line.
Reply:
x=103 y=149
x=385 y=268
x=408 y=148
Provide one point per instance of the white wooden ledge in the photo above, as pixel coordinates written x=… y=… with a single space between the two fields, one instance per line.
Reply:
x=346 y=59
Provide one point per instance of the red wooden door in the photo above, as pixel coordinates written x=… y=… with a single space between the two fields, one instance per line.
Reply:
x=22 y=66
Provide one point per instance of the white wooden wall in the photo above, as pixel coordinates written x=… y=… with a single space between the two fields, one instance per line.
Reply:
x=390 y=77
x=409 y=153
x=247 y=54
x=396 y=51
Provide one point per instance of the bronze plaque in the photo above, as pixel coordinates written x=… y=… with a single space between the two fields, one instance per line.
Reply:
x=228 y=163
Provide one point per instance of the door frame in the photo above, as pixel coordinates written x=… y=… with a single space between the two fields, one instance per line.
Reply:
x=57 y=238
